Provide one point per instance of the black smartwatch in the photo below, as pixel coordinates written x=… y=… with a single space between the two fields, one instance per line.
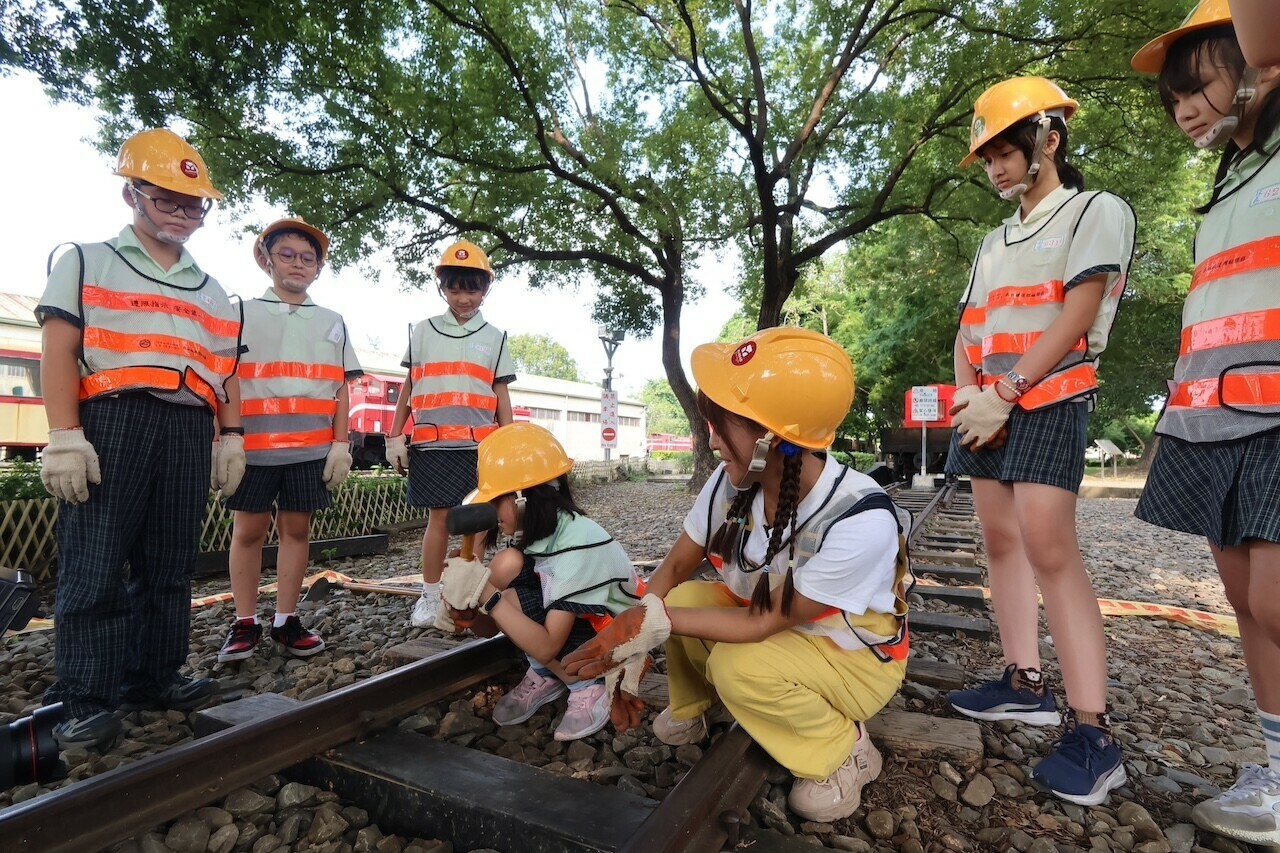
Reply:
x=491 y=603
x=231 y=431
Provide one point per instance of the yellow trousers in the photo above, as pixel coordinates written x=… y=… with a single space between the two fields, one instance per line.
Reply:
x=798 y=696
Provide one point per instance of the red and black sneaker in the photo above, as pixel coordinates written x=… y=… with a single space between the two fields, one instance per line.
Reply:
x=241 y=641
x=297 y=641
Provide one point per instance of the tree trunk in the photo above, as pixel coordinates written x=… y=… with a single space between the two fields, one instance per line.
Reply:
x=704 y=461
x=1148 y=454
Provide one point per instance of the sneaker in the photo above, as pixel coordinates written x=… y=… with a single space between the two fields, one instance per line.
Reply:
x=296 y=640
x=528 y=696
x=840 y=794
x=242 y=641
x=182 y=693
x=1248 y=811
x=1083 y=768
x=425 y=609
x=674 y=732
x=95 y=730
x=997 y=700
x=587 y=713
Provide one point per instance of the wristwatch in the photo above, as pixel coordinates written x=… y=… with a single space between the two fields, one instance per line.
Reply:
x=491 y=603
x=1019 y=383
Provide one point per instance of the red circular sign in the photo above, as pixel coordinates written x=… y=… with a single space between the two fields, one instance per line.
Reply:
x=189 y=168
x=608 y=433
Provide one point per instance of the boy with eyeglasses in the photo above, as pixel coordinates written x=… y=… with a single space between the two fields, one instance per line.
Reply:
x=459 y=369
x=293 y=388
x=139 y=359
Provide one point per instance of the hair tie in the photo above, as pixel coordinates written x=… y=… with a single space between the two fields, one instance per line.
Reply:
x=789 y=449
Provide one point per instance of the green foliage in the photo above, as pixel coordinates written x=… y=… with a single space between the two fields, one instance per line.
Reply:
x=540 y=355
x=20 y=480
x=683 y=459
x=662 y=409
x=854 y=459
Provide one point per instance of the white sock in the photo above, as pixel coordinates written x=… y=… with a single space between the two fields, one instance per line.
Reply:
x=280 y=619
x=1271 y=736
x=430 y=588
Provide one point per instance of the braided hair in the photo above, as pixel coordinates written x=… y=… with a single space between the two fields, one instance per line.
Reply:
x=727 y=540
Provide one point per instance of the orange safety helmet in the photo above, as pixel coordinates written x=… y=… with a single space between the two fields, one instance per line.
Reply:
x=164 y=158
x=517 y=456
x=464 y=253
x=1007 y=103
x=795 y=383
x=292 y=223
x=1207 y=13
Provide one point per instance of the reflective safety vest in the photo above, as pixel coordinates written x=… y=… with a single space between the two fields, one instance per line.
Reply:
x=884 y=634
x=288 y=394
x=453 y=402
x=584 y=565
x=1226 y=382
x=141 y=334
x=1022 y=292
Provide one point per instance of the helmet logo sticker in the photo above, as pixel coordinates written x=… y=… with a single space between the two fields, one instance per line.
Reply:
x=461 y=254
x=743 y=354
x=979 y=125
x=145 y=343
x=189 y=168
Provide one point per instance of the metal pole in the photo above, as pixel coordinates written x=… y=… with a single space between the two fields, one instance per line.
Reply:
x=923 y=430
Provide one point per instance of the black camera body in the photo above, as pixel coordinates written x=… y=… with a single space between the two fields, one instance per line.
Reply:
x=28 y=752
x=18 y=599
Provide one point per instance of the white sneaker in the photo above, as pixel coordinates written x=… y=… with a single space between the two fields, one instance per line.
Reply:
x=838 y=795
x=680 y=732
x=1248 y=811
x=528 y=696
x=425 y=609
x=587 y=713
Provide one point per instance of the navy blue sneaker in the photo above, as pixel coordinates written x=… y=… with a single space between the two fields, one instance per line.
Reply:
x=97 y=730
x=1084 y=766
x=181 y=693
x=997 y=700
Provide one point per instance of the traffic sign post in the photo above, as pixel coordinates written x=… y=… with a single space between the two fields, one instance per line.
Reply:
x=608 y=420
x=924 y=408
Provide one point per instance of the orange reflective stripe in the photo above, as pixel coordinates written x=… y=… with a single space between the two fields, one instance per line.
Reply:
x=1240 y=389
x=1247 y=328
x=164 y=344
x=1011 y=343
x=101 y=297
x=287 y=440
x=290 y=370
x=974 y=355
x=452 y=368
x=145 y=378
x=455 y=398
x=432 y=432
x=1258 y=255
x=1056 y=387
x=1045 y=293
x=289 y=406
x=596 y=621
x=973 y=316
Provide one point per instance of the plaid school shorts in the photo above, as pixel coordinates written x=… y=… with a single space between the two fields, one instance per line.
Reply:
x=1227 y=491
x=528 y=588
x=297 y=487
x=1045 y=446
x=440 y=479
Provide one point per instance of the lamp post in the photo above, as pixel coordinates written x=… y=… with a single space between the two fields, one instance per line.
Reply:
x=612 y=339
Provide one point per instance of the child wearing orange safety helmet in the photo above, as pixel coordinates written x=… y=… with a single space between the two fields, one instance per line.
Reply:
x=139 y=360
x=1042 y=295
x=803 y=638
x=459 y=369
x=563 y=579
x=293 y=399
x=1216 y=470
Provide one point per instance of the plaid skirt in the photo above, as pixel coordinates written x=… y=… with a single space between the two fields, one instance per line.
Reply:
x=528 y=588
x=1044 y=446
x=296 y=487
x=1226 y=491
x=440 y=479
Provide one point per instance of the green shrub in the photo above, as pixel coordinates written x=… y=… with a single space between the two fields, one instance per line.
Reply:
x=20 y=480
x=682 y=458
x=856 y=460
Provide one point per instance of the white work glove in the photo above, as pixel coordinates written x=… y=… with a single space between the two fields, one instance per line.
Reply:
x=228 y=464
x=982 y=418
x=337 y=465
x=443 y=620
x=625 y=705
x=462 y=582
x=398 y=453
x=68 y=464
x=964 y=394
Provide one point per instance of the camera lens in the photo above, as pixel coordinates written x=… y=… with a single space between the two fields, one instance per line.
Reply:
x=28 y=752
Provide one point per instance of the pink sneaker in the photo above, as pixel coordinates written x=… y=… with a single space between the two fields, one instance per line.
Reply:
x=528 y=696
x=587 y=713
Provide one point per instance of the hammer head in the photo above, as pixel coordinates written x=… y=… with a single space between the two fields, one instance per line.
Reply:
x=472 y=518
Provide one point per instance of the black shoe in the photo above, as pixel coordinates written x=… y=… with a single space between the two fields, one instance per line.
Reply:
x=182 y=693
x=296 y=640
x=97 y=730
x=242 y=641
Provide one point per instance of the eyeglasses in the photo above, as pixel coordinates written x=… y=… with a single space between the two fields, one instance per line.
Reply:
x=288 y=256
x=195 y=210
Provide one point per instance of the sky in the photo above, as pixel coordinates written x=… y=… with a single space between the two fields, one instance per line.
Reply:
x=60 y=188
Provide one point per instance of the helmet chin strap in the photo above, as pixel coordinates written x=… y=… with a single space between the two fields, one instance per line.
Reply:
x=161 y=234
x=517 y=538
x=1224 y=127
x=759 y=459
x=1033 y=170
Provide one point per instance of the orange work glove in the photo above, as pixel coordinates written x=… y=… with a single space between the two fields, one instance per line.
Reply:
x=632 y=633
x=623 y=686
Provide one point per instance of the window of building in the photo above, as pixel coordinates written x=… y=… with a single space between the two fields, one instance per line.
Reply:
x=544 y=414
x=624 y=421
x=19 y=377
x=584 y=417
